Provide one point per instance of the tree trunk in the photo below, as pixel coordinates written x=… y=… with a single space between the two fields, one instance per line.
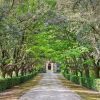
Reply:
x=87 y=73
x=76 y=72
x=97 y=72
x=86 y=67
x=3 y=74
x=16 y=73
x=81 y=73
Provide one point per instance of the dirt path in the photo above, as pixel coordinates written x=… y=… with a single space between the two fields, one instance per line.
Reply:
x=50 y=88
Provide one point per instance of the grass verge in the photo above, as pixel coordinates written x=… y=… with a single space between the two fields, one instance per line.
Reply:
x=85 y=93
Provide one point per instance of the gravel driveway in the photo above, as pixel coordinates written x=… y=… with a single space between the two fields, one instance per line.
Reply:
x=50 y=88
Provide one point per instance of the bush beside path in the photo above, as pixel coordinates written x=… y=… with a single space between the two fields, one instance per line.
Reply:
x=49 y=86
x=85 y=93
x=15 y=92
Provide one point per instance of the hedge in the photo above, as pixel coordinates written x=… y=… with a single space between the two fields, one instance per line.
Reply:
x=86 y=82
x=10 y=82
x=66 y=75
x=75 y=79
x=97 y=84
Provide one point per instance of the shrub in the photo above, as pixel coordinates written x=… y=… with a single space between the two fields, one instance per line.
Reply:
x=10 y=82
x=75 y=79
x=66 y=75
x=86 y=82
x=96 y=85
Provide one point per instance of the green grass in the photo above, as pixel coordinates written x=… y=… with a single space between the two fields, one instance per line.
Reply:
x=85 y=93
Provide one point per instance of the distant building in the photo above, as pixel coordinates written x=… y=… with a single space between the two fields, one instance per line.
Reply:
x=53 y=67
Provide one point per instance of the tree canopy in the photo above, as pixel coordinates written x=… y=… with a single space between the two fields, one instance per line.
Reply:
x=64 y=31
